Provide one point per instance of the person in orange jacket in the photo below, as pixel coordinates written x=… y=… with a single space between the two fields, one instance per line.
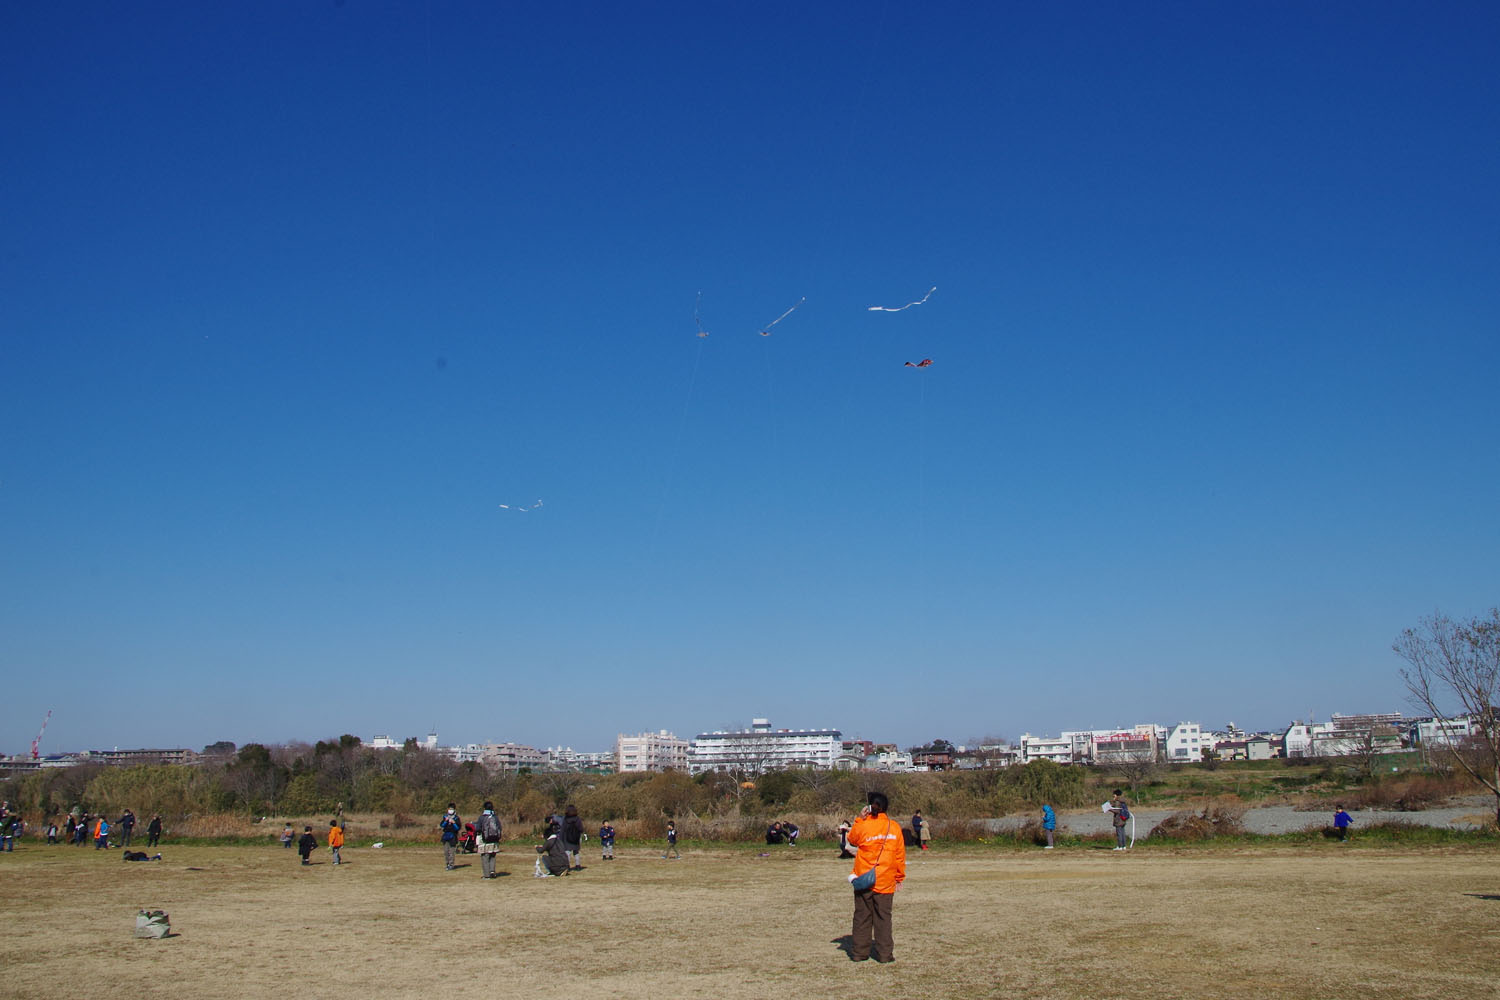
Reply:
x=335 y=839
x=877 y=843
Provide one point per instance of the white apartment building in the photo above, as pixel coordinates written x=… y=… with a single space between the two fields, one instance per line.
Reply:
x=381 y=741
x=761 y=748
x=1186 y=743
x=1430 y=733
x=1058 y=749
x=658 y=751
x=1343 y=735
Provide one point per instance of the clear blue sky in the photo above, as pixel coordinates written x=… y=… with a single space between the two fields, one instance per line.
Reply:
x=295 y=295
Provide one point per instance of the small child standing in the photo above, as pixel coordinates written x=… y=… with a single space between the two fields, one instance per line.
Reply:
x=607 y=841
x=1341 y=822
x=307 y=845
x=335 y=839
x=286 y=836
x=672 y=840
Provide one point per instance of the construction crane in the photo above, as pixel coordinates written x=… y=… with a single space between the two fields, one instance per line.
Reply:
x=35 y=754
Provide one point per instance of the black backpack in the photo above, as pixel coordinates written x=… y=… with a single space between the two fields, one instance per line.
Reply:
x=489 y=828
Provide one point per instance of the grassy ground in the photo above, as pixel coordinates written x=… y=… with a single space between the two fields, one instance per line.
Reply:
x=1324 y=921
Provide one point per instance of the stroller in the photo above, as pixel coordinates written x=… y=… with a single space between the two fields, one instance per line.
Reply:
x=468 y=841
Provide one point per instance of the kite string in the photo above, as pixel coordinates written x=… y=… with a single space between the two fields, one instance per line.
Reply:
x=669 y=482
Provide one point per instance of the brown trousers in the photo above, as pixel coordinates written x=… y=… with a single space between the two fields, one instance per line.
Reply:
x=872 y=914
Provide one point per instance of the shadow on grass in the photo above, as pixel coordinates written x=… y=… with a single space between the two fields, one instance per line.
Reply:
x=1484 y=895
x=845 y=944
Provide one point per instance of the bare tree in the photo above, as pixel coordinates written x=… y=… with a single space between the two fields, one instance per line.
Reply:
x=1457 y=664
x=1135 y=767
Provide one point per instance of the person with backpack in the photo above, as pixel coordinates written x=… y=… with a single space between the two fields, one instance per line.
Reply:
x=489 y=839
x=1120 y=810
x=451 y=825
x=572 y=837
x=607 y=841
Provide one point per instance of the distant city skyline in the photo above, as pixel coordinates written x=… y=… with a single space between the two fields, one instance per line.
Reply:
x=533 y=375
x=368 y=734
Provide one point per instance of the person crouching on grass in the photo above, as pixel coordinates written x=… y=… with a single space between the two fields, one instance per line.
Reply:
x=554 y=854
x=878 y=844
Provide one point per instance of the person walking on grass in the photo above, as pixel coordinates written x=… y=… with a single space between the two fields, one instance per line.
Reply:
x=1341 y=823
x=489 y=840
x=335 y=840
x=672 y=841
x=607 y=841
x=1049 y=824
x=307 y=845
x=101 y=833
x=450 y=824
x=879 y=847
x=153 y=832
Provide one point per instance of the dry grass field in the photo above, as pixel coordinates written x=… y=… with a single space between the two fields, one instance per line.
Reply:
x=1327 y=922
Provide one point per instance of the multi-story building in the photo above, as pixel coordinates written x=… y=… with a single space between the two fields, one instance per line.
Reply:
x=1058 y=749
x=1186 y=743
x=1341 y=736
x=1430 y=733
x=658 y=751
x=1249 y=748
x=888 y=758
x=126 y=758
x=761 y=748
x=510 y=757
x=1123 y=746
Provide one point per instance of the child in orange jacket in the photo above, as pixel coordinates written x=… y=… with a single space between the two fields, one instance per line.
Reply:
x=335 y=839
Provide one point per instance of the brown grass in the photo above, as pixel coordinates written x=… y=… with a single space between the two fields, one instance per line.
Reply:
x=1074 y=923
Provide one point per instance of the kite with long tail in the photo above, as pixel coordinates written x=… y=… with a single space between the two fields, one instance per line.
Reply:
x=766 y=332
x=896 y=309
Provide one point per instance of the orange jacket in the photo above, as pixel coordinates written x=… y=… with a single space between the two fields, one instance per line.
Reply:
x=335 y=836
x=873 y=837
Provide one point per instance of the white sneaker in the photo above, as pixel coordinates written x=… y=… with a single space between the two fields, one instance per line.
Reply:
x=1047 y=848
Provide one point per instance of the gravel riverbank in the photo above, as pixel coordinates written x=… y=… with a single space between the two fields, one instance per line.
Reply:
x=1459 y=814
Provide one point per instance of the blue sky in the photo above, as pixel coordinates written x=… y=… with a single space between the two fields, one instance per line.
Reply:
x=295 y=295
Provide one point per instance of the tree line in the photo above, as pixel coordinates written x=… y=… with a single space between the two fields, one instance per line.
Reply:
x=302 y=780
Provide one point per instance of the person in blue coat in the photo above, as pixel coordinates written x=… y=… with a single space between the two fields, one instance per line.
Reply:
x=1049 y=823
x=1341 y=822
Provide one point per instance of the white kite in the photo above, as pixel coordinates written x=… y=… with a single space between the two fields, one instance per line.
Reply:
x=896 y=309
x=506 y=506
x=701 y=332
x=766 y=332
